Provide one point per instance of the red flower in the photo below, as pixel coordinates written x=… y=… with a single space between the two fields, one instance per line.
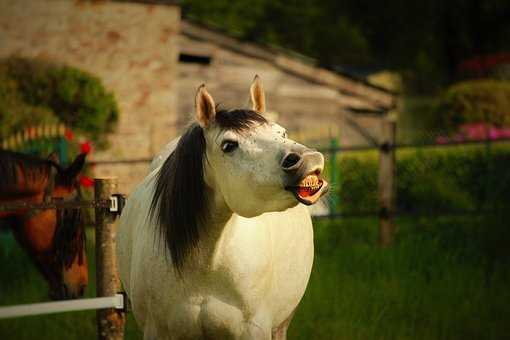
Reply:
x=68 y=134
x=86 y=147
x=86 y=181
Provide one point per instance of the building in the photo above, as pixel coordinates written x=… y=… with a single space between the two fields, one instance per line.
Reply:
x=153 y=62
x=297 y=92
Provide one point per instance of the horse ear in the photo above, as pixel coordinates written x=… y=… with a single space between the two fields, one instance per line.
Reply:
x=258 y=98
x=204 y=106
x=76 y=167
x=53 y=157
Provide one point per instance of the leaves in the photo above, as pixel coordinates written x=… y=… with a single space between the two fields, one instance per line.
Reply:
x=33 y=91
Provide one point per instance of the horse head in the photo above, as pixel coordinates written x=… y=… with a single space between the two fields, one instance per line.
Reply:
x=68 y=269
x=252 y=162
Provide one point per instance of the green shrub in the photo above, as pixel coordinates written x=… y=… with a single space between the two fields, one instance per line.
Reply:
x=34 y=91
x=474 y=101
x=430 y=179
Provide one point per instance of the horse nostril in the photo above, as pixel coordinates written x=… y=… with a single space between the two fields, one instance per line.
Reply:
x=290 y=160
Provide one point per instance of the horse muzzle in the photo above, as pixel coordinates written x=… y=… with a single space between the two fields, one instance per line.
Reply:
x=305 y=181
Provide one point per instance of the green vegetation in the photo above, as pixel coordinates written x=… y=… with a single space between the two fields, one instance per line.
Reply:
x=441 y=280
x=444 y=279
x=430 y=179
x=34 y=91
x=475 y=101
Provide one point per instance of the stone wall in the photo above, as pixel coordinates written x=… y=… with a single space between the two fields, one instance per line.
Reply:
x=130 y=46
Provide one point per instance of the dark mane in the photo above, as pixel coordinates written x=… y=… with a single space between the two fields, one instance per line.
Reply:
x=179 y=204
x=70 y=238
x=33 y=168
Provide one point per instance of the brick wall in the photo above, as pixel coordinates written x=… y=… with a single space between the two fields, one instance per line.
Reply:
x=130 y=46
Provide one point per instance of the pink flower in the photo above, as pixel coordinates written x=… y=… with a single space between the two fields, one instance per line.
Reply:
x=442 y=140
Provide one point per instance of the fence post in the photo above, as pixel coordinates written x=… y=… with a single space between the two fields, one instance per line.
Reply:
x=386 y=182
x=110 y=322
x=333 y=176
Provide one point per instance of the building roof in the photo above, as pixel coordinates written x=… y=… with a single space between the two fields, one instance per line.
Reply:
x=364 y=96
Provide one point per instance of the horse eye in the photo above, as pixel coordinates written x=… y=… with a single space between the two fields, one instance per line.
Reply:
x=229 y=146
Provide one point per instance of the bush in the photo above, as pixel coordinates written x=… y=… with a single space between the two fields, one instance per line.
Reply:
x=34 y=91
x=475 y=101
x=430 y=179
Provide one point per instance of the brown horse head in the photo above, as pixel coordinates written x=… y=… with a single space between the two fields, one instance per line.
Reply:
x=55 y=238
x=69 y=259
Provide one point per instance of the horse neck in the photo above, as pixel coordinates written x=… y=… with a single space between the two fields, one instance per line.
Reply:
x=218 y=216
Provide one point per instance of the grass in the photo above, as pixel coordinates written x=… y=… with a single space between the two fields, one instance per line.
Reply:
x=21 y=283
x=444 y=279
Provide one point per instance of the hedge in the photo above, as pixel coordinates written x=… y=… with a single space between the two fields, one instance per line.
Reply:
x=430 y=179
x=475 y=101
x=34 y=91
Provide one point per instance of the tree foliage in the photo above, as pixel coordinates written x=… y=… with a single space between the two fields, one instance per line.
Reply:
x=34 y=91
x=426 y=40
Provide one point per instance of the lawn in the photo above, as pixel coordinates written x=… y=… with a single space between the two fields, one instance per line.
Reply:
x=444 y=279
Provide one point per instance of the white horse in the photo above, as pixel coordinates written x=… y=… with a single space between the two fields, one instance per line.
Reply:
x=214 y=244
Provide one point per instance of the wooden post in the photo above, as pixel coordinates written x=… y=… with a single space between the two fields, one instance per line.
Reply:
x=110 y=322
x=333 y=176
x=387 y=182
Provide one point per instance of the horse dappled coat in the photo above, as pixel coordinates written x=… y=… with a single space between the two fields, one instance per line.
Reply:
x=214 y=244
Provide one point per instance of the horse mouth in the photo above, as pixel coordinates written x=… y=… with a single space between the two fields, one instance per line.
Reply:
x=309 y=189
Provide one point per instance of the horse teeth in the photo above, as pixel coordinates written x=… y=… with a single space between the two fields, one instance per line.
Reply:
x=311 y=182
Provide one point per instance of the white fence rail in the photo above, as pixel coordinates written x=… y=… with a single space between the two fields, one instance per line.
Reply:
x=116 y=301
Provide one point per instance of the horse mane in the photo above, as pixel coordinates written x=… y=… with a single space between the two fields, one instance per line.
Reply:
x=70 y=238
x=179 y=204
x=33 y=168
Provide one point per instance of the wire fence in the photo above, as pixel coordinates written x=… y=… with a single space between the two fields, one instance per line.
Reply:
x=457 y=178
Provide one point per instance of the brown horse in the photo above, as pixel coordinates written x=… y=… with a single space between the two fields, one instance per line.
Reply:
x=54 y=238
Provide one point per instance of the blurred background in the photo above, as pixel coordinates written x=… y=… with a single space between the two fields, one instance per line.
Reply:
x=409 y=102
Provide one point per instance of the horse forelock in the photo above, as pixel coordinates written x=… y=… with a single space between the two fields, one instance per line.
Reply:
x=179 y=205
x=238 y=120
x=70 y=238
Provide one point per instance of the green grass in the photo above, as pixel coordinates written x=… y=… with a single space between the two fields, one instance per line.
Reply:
x=21 y=283
x=442 y=280
x=446 y=278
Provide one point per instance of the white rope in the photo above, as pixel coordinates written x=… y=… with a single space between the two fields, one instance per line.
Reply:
x=116 y=302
